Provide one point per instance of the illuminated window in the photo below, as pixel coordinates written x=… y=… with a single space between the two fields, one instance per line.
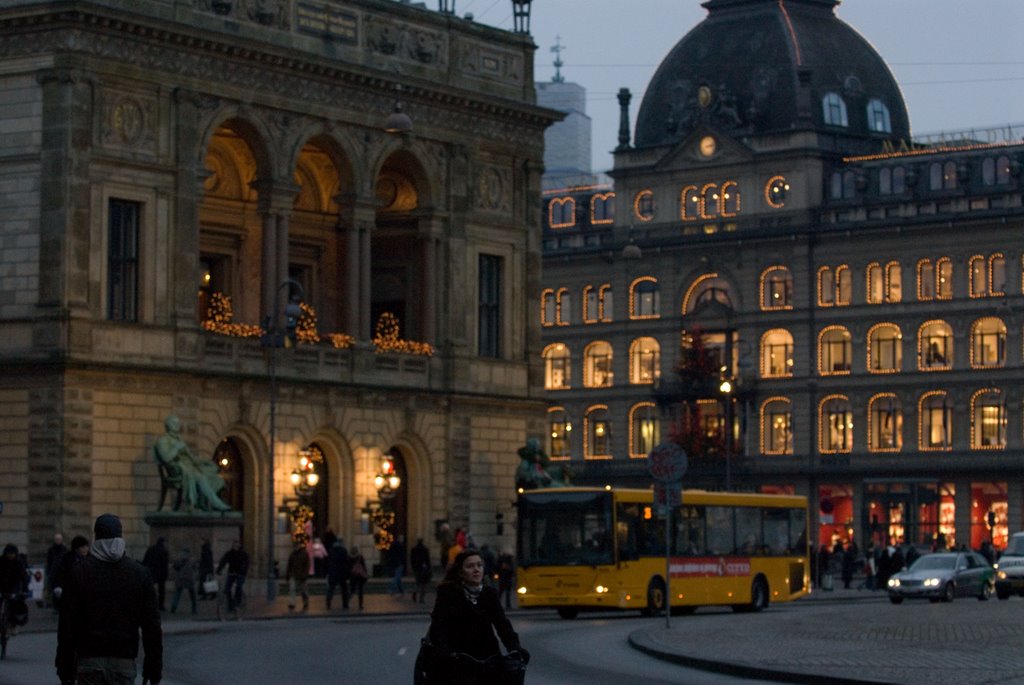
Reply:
x=563 y=308
x=935 y=279
x=776 y=426
x=834 y=110
x=597 y=433
x=644 y=360
x=834 y=286
x=988 y=420
x=709 y=201
x=548 y=308
x=561 y=428
x=689 y=203
x=988 y=275
x=835 y=350
x=885 y=348
x=988 y=343
x=892 y=180
x=935 y=412
x=878 y=117
x=707 y=289
x=602 y=208
x=776 y=354
x=597 y=369
x=884 y=284
x=557 y=367
x=935 y=346
x=776 y=288
x=942 y=176
x=712 y=420
x=589 y=304
x=835 y=425
x=644 y=429
x=561 y=212
x=604 y=303
x=730 y=199
x=644 y=299
x=885 y=423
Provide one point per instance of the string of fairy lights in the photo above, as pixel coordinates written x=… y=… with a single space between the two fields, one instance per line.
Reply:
x=220 y=319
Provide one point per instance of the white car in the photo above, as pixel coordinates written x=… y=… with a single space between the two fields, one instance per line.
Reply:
x=1010 y=568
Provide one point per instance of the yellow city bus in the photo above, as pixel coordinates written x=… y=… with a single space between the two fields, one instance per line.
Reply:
x=604 y=548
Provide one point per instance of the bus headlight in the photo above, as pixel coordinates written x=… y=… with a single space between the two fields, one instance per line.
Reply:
x=600 y=589
x=521 y=590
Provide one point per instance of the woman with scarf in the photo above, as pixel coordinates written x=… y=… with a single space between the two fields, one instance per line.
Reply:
x=462 y=629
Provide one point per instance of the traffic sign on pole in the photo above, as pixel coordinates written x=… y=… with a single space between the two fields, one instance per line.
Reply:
x=667 y=462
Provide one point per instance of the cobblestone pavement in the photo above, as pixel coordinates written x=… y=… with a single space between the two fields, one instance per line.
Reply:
x=852 y=637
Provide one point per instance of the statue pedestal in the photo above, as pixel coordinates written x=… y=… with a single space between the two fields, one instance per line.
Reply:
x=190 y=529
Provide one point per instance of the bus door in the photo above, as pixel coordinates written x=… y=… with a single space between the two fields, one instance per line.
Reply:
x=692 y=568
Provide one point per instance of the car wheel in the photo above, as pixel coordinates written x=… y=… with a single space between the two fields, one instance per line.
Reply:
x=986 y=591
x=895 y=599
x=948 y=592
x=568 y=613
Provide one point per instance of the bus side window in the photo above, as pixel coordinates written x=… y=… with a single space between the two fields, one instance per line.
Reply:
x=626 y=531
x=776 y=531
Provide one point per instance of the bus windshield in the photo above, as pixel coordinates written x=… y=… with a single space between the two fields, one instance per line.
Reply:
x=565 y=529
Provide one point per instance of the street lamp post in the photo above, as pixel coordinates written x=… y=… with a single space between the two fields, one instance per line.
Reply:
x=275 y=336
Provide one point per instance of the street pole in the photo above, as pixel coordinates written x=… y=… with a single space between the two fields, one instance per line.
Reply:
x=668 y=554
x=271 y=518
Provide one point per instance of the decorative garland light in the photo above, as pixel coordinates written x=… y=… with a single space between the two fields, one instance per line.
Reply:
x=386 y=338
x=218 y=319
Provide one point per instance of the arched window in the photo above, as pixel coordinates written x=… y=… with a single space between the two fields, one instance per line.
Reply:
x=644 y=361
x=548 y=308
x=935 y=412
x=988 y=420
x=935 y=346
x=988 y=275
x=884 y=284
x=705 y=290
x=231 y=468
x=643 y=205
x=563 y=310
x=834 y=286
x=885 y=423
x=885 y=348
x=988 y=343
x=557 y=367
x=561 y=212
x=893 y=282
x=597 y=433
x=730 y=202
x=1003 y=170
x=709 y=201
x=776 y=354
x=644 y=429
x=597 y=303
x=878 y=117
x=597 y=369
x=988 y=171
x=834 y=110
x=561 y=428
x=776 y=288
x=835 y=425
x=942 y=176
x=835 y=351
x=602 y=208
x=777 y=426
x=689 y=203
x=644 y=299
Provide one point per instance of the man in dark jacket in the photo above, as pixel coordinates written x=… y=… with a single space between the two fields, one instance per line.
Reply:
x=158 y=560
x=236 y=560
x=107 y=601
x=54 y=557
x=338 y=564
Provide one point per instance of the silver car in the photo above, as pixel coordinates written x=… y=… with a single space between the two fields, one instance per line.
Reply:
x=943 y=576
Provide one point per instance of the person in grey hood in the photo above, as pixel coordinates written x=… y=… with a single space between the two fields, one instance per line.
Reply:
x=108 y=600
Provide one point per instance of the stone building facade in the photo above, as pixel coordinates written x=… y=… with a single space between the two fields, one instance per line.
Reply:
x=172 y=173
x=859 y=291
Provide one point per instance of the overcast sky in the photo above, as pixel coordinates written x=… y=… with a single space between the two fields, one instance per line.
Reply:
x=959 y=62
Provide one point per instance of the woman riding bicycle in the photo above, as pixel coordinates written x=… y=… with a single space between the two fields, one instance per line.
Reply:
x=13 y=583
x=465 y=617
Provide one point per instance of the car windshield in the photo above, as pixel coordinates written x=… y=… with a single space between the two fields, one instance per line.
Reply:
x=934 y=563
x=1016 y=546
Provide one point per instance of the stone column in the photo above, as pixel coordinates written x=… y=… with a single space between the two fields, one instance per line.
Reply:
x=431 y=277
x=275 y=205
x=962 y=514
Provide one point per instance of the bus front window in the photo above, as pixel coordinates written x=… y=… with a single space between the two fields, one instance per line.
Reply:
x=558 y=529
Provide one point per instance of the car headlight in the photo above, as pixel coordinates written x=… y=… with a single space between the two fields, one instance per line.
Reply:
x=894 y=582
x=931 y=582
x=521 y=590
x=1002 y=575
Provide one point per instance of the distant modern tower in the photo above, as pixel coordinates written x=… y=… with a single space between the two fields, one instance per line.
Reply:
x=567 y=143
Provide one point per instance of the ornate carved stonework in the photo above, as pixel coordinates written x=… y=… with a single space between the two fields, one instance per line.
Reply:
x=493 y=189
x=405 y=42
x=128 y=120
x=482 y=61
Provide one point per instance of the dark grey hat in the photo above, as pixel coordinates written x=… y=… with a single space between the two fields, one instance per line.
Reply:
x=107 y=526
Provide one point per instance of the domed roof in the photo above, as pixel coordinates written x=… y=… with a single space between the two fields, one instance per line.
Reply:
x=759 y=66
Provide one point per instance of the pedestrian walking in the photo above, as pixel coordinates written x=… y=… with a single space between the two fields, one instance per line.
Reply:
x=205 y=567
x=79 y=551
x=297 y=573
x=419 y=559
x=236 y=560
x=338 y=564
x=107 y=602
x=358 y=573
x=184 y=579
x=54 y=556
x=396 y=563
x=506 y=578
x=158 y=560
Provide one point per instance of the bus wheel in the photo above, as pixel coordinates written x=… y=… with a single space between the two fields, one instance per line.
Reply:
x=655 y=598
x=758 y=597
x=568 y=613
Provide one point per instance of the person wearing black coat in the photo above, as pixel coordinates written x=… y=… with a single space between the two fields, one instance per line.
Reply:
x=158 y=560
x=466 y=615
x=107 y=601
